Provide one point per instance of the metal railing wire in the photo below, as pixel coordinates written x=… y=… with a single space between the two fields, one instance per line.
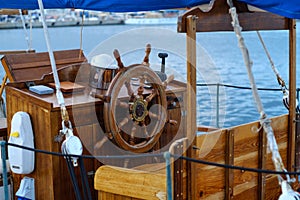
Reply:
x=217 y=96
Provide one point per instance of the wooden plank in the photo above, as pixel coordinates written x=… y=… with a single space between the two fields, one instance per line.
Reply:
x=292 y=95
x=128 y=182
x=191 y=96
x=219 y=19
x=6 y=68
x=180 y=186
x=206 y=128
x=210 y=180
x=28 y=67
x=262 y=157
x=6 y=52
x=66 y=61
x=297 y=142
x=246 y=152
x=229 y=160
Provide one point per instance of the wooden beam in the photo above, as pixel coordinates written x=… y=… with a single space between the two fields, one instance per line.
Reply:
x=218 y=19
x=229 y=160
x=206 y=128
x=297 y=154
x=16 y=51
x=292 y=95
x=262 y=158
x=191 y=97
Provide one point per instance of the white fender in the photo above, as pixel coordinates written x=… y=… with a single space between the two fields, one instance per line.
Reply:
x=21 y=161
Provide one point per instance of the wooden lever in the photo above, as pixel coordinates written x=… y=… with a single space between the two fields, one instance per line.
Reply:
x=147 y=53
x=118 y=58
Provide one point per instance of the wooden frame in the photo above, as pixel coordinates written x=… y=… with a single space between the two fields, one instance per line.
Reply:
x=218 y=19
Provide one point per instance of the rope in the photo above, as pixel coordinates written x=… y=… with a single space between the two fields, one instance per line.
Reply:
x=59 y=95
x=25 y=30
x=264 y=121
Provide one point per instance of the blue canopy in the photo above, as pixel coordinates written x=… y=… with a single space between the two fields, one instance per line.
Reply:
x=287 y=8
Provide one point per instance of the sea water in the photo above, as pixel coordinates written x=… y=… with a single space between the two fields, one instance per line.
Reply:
x=235 y=106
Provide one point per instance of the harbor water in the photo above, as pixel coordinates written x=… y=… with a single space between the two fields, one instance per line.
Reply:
x=235 y=106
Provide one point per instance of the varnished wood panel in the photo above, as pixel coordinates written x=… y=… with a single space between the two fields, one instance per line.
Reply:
x=131 y=183
x=210 y=180
x=51 y=175
x=28 y=67
x=37 y=114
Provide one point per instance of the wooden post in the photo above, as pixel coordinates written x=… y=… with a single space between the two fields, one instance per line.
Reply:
x=262 y=157
x=191 y=96
x=292 y=95
x=229 y=160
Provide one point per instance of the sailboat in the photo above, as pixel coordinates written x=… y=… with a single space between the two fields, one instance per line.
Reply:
x=128 y=132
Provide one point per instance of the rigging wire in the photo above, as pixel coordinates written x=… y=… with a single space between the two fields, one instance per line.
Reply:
x=280 y=80
x=275 y=70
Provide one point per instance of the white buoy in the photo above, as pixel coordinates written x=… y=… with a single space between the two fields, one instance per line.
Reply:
x=21 y=160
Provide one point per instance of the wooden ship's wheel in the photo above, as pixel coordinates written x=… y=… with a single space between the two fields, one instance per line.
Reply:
x=135 y=110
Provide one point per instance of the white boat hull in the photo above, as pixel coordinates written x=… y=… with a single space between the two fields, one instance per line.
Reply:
x=151 y=21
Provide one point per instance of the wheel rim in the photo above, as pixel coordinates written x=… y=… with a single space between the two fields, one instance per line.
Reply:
x=135 y=116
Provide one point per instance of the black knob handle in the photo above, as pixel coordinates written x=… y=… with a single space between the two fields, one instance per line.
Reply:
x=163 y=57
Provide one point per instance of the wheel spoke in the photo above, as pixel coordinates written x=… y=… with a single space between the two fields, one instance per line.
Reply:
x=151 y=96
x=123 y=104
x=145 y=130
x=129 y=89
x=172 y=122
x=100 y=143
x=123 y=122
x=153 y=115
x=141 y=87
x=132 y=135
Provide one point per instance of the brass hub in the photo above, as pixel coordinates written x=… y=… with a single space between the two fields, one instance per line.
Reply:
x=138 y=110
